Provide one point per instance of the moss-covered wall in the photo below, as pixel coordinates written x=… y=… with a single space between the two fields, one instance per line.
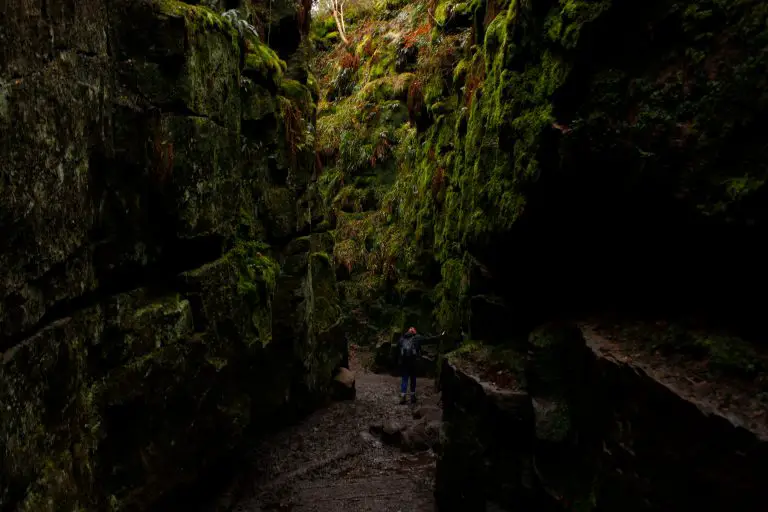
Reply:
x=554 y=149
x=557 y=160
x=623 y=122
x=156 y=162
x=363 y=127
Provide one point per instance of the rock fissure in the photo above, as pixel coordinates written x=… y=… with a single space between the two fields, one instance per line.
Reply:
x=207 y=204
x=162 y=275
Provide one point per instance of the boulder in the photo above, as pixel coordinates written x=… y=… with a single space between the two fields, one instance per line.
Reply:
x=344 y=385
x=428 y=412
x=384 y=359
x=420 y=436
x=391 y=432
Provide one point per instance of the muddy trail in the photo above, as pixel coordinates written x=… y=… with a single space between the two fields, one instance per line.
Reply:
x=367 y=454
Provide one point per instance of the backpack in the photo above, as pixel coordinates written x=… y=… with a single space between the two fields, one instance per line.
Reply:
x=408 y=347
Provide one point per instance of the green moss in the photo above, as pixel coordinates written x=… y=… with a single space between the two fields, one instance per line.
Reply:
x=451 y=295
x=202 y=17
x=491 y=134
x=322 y=26
x=210 y=65
x=387 y=88
x=467 y=347
x=257 y=102
x=262 y=62
x=313 y=86
x=382 y=62
x=729 y=354
x=574 y=14
x=350 y=198
x=365 y=41
x=293 y=89
x=390 y=5
x=256 y=282
x=502 y=365
x=323 y=318
x=279 y=202
x=323 y=256
x=300 y=98
x=543 y=337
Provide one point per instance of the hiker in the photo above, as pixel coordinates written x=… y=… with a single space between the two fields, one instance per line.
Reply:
x=409 y=349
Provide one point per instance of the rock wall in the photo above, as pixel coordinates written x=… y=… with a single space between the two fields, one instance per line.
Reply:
x=590 y=425
x=164 y=284
x=564 y=160
x=362 y=120
x=502 y=159
x=563 y=144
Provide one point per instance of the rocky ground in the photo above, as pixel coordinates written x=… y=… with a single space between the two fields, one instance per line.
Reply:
x=369 y=454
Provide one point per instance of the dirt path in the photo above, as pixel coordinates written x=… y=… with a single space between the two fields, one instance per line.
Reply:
x=331 y=463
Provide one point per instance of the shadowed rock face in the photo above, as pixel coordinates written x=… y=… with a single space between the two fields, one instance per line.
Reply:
x=593 y=428
x=161 y=284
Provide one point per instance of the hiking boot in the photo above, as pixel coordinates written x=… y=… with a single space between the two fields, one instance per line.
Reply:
x=402 y=400
x=413 y=398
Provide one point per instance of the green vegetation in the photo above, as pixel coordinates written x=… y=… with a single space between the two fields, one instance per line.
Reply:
x=439 y=121
x=256 y=282
x=456 y=136
x=263 y=61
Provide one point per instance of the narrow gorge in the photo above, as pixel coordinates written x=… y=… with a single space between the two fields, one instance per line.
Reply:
x=210 y=210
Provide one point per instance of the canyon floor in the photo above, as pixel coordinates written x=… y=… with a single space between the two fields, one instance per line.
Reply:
x=332 y=462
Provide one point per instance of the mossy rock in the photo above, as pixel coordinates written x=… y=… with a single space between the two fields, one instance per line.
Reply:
x=48 y=407
x=258 y=103
x=204 y=49
x=279 y=203
x=387 y=88
x=125 y=363
x=235 y=293
x=197 y=166
x=299 y=93
x=45 y=207
x=263 y=65
x=325 y=349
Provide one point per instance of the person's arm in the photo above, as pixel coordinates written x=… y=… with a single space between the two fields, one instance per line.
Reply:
x=435 y=337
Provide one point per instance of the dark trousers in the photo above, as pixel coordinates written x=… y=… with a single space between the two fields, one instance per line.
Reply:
x=408 y=372
x=404 y=383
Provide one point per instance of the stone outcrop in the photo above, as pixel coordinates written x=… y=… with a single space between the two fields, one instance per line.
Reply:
x=590 y=426
x=155 y=163
x=344 y=385
x=421 y=434
x=525 y=161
